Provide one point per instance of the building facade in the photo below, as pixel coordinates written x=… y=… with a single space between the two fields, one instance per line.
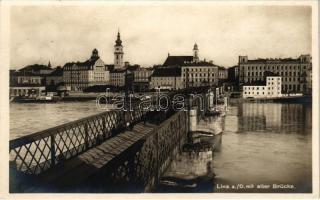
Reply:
x=55 y=78
x=223 y=73
x=294 y=72
x=195 y=72
x=80 y=75
x=166 y=78
x=199 y=74
x=25 y=84
x=117 y=77
x=270 y=89
x=141 y=79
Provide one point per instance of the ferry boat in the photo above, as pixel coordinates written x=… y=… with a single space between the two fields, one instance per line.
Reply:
x=38 y=99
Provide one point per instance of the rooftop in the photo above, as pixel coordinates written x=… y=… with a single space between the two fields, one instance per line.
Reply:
x=57 y=72
x=255 y=83
x=177 y=60
x=167 y=72
x=35 y=67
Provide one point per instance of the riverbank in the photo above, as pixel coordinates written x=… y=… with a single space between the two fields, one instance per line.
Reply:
x=293 y=99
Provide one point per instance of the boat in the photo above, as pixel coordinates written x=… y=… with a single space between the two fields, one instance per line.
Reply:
x=39 y=99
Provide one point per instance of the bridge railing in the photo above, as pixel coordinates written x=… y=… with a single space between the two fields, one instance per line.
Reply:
x=37 y=152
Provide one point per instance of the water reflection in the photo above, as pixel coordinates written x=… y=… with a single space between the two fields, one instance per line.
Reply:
x=269 y=116
x=263 y=144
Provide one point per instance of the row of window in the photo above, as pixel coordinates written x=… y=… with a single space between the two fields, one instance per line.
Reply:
x=284 y=79
x=200 y=69
x=281 y=73
x=285 y=67
x=269 y=93
x=262 y=88
x=201 y=75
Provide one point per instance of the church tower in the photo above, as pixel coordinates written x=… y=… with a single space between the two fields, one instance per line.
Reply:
x=118 y=53
x=195 y=53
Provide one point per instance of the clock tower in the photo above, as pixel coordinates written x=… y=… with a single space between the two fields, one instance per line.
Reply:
x=118 y=53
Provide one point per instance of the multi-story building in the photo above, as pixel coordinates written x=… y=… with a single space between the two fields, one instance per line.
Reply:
x=195 y=72
x=294 y=71
x=55 y=77
x=269 y=88
x=199 y=74
x=168 y=78
x=25 y=84
x=223 y=73
x=141 y=79
x=117 y=77
x=25 y=78
x=38 y=69
x=80 y=75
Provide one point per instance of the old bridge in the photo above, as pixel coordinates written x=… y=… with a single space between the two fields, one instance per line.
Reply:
x=98 y=153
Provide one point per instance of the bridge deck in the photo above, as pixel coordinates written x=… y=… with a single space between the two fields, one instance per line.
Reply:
x=86 y=164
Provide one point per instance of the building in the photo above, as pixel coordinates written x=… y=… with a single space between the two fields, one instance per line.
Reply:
x=37 y=69
x=294 y=71
x=223 y=73
x=80 y=75
x=141 y=79
x=117 y=77
x=195 y=72
x=25 y=78
x=55 y=78
x=233 y=74
x=25 y=84
x=198 y=74
x=269 y=88
x=168 y=78
x=118 y=53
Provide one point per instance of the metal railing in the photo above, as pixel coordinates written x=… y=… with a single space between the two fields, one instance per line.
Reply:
x=37 y=152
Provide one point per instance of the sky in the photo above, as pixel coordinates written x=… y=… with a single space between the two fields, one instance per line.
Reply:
x=60 y=34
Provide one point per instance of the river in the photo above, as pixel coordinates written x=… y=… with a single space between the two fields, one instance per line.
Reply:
x=27 y=118
x=264 y=147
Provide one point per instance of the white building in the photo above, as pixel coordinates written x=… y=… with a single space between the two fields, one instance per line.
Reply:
x=80 y=75
x=270 y=89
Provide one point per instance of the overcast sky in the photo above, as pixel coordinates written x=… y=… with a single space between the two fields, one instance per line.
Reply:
x=67 y=33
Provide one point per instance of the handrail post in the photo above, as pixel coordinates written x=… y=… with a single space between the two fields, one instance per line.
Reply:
x=86 y=135
x=104 y=134
x=52 y=150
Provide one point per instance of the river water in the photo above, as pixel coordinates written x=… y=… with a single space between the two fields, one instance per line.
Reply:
x=264 y=147
x=27 y=118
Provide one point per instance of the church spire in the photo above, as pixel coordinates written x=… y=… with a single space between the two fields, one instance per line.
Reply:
x=118 y=53
x=118 y=41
